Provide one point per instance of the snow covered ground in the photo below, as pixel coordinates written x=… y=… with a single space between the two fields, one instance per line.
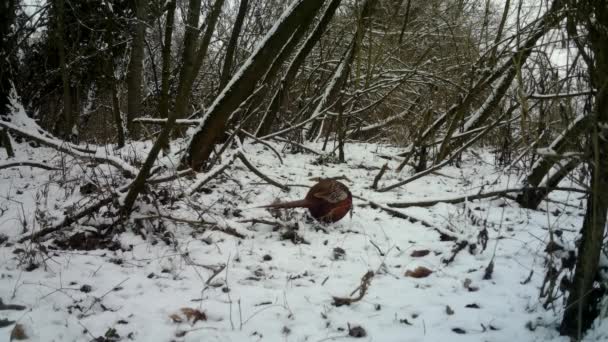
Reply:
x=195 y=284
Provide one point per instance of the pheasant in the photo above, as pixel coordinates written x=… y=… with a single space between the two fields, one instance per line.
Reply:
x=327 y=201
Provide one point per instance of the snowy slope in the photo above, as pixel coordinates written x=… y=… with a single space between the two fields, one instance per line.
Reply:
x=270 y=288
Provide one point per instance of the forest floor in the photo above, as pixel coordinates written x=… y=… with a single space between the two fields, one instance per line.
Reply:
x=169 y=279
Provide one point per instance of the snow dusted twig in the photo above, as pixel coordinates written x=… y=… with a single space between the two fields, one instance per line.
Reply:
x=412 y=219
x=393 y=212
x=258 y=140
x=203 y=178
x=26 y=163
x=365 y=282
x=446 y=160
x=259 y=173
x=65 y=147
x=472 y=197
x=291 y=142
x=225 y=228
x=68 y=220
x=537 y=96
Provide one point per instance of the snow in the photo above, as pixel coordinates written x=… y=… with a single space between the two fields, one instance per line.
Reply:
x=272 y=289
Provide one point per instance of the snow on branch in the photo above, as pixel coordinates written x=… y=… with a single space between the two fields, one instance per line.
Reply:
x=26 y=163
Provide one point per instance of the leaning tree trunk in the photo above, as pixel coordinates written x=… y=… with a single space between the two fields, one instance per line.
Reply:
x=479 y=117
x=583 y=300
x=213 y=124
x=340 y=74
x=532 y=196
x=279 y=98
x=188 y=73
x=136 y=63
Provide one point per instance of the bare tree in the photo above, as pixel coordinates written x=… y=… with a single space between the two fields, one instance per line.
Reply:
x=243 y=83
x=136 y=61
x=232 y=44
x=582 y=305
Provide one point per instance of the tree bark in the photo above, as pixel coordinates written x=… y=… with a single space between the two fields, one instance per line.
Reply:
x=190 y=68
x=68 y=120
x=136 y=64
x=583 y=300
x=166 y=60
x=342 y=71
x=7 y=41
x=279 y=99
x=239 y=88
x=232 y=44
x=531 y=198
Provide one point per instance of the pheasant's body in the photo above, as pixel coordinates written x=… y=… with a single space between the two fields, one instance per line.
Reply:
x=328 y=201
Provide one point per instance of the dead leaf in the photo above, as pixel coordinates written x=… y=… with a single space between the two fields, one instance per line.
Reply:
x=18 y=333
x=194 y=314
x=459 y=330
x=420 y=253
x=448 y=310
x=419 y=272
x=356 y=331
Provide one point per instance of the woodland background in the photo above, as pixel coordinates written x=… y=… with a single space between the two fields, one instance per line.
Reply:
x=196 y=80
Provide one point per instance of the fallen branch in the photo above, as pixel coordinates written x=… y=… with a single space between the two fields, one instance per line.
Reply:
x=365 y=282
x=445 y=162
x=27 y=163
x=396 y=213
x=463 y=198
x=203 y=178
x=67 y=221
x=258 y=140
x=65 y=147
x=393 y=212
x=226 y=229
x=291 y=142
x=168 y=178
x=259 y=173
x=379 y=176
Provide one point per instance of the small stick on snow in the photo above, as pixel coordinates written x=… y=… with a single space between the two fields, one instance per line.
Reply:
x=259 y=173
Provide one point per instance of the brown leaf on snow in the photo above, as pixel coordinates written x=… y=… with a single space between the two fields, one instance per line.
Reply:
x=18 y=333
x=194 y=315
x=420 y=253
x=419 y=272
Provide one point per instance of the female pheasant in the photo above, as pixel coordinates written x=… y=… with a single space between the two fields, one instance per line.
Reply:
x=327 y=201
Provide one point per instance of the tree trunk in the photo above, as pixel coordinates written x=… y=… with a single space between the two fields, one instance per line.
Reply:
x=193 y=58
x=7 y=41
x=239 y=88
x=342 y=71
x=166 y=60
x=279 y=99
x=68 y=119
x=136 y=64
x=232 y=44
x=531 y=198
x=584 y=297
x=188 y=73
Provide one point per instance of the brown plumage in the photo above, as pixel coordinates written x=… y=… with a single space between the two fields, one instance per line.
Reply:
x=327 y=201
